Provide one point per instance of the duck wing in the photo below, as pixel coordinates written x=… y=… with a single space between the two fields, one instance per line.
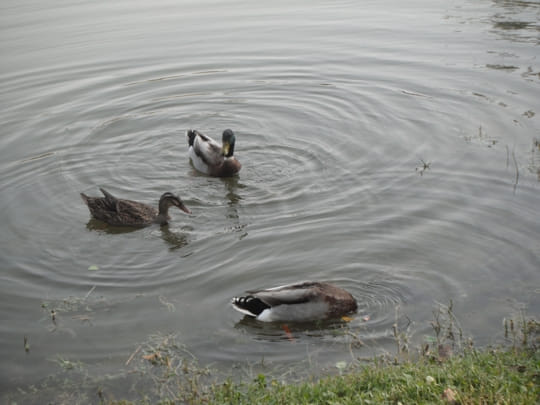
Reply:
x=288 y=294
x=97 y=205
x=110 y=202
x=119 y=212
x=133 y=213
x=208 y=150
x=128 y=209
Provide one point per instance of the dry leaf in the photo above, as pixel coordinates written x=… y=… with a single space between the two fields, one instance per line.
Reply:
x=449 y=395
x=152 y=357
x=288 y=332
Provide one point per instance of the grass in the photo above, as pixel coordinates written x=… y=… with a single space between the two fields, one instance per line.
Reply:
x=476 y=377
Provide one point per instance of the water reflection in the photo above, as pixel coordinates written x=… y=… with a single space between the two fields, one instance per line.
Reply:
x=102 y=227
x=176 y=240
x=511 y=25
x=515 y=3
x=278 y=331
x=534 y=165
x=514 y=20
x=232 y=184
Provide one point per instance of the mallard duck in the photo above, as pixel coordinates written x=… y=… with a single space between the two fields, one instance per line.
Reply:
x=306 y=301
x=209 y=157
x=119 y=212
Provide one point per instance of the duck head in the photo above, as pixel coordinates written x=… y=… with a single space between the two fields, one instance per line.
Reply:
x=228 y=139
x=168 y=200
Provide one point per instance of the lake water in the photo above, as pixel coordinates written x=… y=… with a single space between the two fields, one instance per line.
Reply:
x=390 y=147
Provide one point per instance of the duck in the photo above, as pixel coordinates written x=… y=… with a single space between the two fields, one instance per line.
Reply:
x=209 y=157
x=120 y=212
x=303 y=301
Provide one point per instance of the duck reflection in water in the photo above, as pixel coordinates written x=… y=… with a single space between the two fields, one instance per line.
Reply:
x=176 y=240
x=277 y=331
x=231 y=185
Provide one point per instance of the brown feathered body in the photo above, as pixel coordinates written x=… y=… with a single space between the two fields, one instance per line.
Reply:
x=121 y=212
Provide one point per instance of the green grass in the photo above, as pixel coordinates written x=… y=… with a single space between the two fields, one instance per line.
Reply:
x=475 y=377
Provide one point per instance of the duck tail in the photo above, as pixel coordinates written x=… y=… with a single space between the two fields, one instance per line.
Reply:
x=84 y=198
x=249 y=305
x=191 y=136
x=107 y=194
x=111 y=201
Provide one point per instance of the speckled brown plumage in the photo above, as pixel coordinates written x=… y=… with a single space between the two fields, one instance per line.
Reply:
x=120 y=212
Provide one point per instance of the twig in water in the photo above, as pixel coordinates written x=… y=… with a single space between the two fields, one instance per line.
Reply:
x=517 y=169
x=137 y=350
x=89 y=292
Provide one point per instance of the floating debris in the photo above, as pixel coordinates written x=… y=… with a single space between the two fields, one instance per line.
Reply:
x=424 y=167
x=482 y=137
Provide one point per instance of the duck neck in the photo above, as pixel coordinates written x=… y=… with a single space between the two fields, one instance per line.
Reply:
x=163 y=214
x=161 y=219
x=230 y=151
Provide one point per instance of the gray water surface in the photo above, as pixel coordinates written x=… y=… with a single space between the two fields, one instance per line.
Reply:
x=390 y=147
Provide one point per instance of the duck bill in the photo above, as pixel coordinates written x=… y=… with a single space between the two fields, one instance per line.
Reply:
x=225 y=148
x=184 y=208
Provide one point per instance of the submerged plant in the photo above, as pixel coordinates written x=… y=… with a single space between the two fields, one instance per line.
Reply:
x=523 y=333
x=173 y=370
x=448 y=334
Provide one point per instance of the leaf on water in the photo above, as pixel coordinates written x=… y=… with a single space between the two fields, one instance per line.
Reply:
x=152 y=357
x=288 y=333
x=93 y=268
x=346 y=318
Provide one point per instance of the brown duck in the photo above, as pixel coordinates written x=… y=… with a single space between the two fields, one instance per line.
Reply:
x=119 y=212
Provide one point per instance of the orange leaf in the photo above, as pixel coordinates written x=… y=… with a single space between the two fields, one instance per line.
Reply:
x=152 y=357
x=287 y=332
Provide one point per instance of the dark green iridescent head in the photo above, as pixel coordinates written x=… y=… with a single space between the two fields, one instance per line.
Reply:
x=228 y=141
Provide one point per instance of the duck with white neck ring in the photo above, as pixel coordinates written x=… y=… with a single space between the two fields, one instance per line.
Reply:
x=209 y=157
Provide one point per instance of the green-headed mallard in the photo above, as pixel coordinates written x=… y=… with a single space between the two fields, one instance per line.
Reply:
x=306 y=301
x=119 y=212
x=211 y=158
